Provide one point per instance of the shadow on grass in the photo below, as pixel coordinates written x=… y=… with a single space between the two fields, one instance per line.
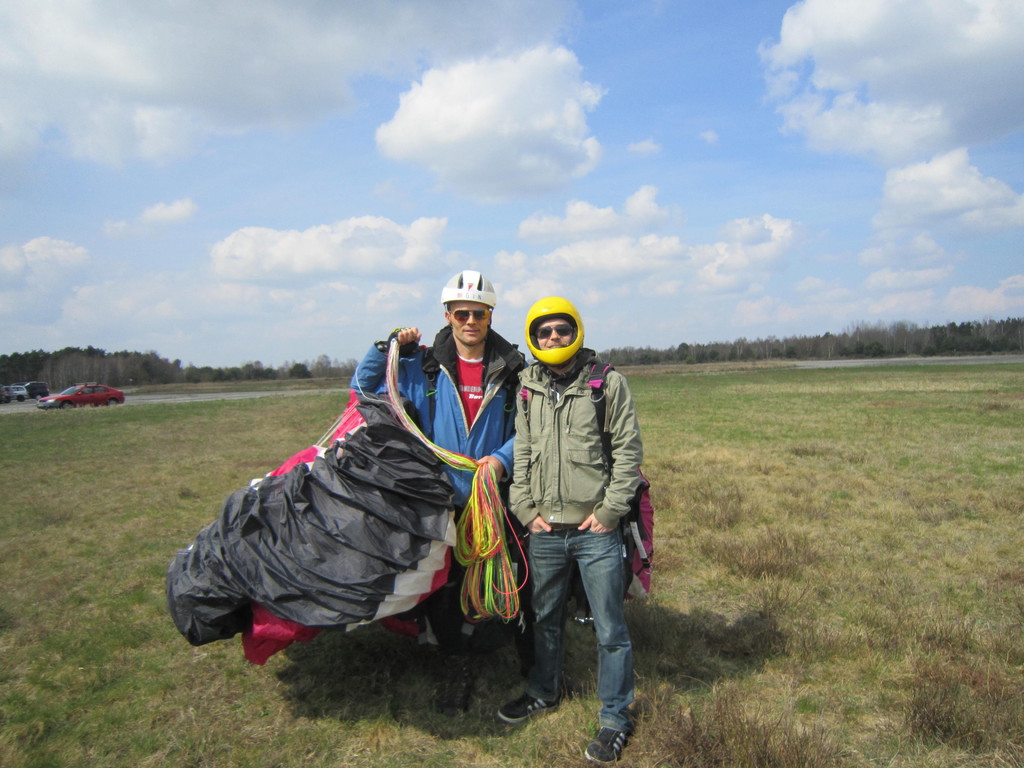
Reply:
x=702 y=647
x=371 y=674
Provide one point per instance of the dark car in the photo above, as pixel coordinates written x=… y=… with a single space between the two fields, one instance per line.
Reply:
x=36 y=389
x=83 y=394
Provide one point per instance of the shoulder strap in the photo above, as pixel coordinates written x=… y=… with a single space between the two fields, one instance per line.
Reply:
x=524 y=401
x=598 y=373
x=430 y=369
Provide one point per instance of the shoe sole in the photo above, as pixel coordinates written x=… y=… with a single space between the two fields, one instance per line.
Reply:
x=512 y=720
x=518 y=720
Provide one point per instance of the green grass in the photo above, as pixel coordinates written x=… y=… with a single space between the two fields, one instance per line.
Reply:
x=838 y=583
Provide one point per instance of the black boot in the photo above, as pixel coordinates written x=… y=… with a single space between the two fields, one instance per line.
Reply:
x=456 y=686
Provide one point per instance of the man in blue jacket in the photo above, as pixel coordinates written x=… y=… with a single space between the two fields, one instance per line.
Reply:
x=463 y=388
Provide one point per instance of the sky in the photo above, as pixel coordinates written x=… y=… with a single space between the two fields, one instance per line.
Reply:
x=276 y=180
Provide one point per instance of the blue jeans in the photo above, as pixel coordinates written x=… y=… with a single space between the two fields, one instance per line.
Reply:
x=599 y=557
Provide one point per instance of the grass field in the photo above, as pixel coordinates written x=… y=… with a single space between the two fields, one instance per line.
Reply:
x=839 y=582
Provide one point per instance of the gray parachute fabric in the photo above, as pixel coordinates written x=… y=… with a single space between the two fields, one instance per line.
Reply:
x=356 y=533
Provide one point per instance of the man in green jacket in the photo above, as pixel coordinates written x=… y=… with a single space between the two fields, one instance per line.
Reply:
x=571 y=501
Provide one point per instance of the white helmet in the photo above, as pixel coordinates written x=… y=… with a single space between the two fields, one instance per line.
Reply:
x=469 y=285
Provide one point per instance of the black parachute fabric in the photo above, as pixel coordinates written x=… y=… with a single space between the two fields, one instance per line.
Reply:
x=326 y=544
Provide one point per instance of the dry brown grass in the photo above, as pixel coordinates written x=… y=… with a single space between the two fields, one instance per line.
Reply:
x=838 y=582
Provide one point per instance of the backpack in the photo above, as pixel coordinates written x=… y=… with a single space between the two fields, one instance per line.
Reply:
x=637 y=525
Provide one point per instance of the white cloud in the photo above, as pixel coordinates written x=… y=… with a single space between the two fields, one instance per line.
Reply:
x=818 y=291
x=918 y=249
x=110 y=78
x=513 y=261
x=390 y=298
x=37 y=258
x=748 y=248
x=524 y=293
x=155 y=215
x=900 y=306
x=221 y=322
x=640 y=212
x=892 y=280
x=360 y=245
x=890 y=131
x=161 y=213
x=493 y=128
x=757 y=311
x=34 y=277
x=614 y=256
x=709 y=137
x=646 y=147
x=947 y=190
x=810 y=285
x=659 y=286
x=116 y=228
x=972 y=301
x=899 y=80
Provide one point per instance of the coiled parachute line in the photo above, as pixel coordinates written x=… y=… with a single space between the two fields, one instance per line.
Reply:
x=489 y=588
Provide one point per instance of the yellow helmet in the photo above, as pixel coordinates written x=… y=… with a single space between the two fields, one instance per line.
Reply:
x=553 y=306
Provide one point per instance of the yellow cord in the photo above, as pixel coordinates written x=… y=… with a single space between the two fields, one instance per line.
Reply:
x=489 y=588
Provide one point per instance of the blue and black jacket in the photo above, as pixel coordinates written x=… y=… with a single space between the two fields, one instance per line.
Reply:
x=427 y=379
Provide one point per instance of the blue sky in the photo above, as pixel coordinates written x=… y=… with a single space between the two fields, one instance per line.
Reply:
x=276 y=180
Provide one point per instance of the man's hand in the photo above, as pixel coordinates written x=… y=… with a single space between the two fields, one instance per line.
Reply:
x=495 y=463
x=405 y=335
x=594 y=525
x=537 y=525
x=407 y=338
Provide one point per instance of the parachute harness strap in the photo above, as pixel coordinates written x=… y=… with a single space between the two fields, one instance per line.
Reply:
x=489 y=588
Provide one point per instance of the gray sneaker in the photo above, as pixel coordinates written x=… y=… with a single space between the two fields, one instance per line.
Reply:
x=523 y=708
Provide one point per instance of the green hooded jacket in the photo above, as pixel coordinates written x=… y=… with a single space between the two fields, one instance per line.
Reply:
x=560 y=470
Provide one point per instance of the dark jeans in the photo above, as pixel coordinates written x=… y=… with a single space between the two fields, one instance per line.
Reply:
x=599 y=557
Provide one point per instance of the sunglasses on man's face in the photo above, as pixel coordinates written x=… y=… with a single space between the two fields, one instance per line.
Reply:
x=545 y=331
x=462 y=315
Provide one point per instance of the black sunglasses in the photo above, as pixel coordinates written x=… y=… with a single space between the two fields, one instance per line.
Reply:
x=545 y=331
x=462 y=315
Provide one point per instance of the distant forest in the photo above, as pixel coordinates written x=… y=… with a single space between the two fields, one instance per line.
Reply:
x=73 y=365
x=122 y=369
x=858 y=341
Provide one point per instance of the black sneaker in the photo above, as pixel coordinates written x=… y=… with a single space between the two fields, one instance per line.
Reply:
x=607 y=746
x=456 y=686
x=523 y=708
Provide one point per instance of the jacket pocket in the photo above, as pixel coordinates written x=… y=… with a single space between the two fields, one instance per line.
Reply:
x=535 y=478
x=586 y=476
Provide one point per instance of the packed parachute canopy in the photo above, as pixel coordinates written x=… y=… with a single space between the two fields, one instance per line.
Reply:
x=339 y=536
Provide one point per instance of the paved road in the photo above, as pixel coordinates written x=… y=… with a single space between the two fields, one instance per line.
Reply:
x=860 y=363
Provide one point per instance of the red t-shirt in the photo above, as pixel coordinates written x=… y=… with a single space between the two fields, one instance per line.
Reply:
x=471 y=386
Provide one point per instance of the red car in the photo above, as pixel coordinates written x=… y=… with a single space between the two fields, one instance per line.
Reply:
x=83 y=394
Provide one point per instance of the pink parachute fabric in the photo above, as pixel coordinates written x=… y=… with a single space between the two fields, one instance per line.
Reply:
x=639 y=531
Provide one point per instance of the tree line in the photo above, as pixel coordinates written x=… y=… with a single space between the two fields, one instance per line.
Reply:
x=73 y=365
x=120 y=369
x=865 y=340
